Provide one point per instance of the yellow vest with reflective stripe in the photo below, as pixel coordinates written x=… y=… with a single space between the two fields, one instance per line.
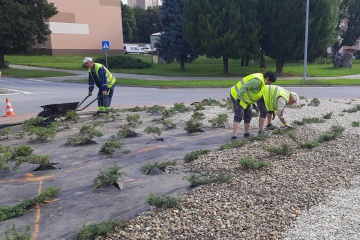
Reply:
x=272 y=93
x=249 y=97
x=109 y=77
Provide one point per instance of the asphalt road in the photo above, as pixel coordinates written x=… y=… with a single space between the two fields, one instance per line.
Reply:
x=29 y=94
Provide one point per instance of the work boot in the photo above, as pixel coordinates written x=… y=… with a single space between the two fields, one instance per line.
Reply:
x=247 y=135
x=262 y=134
x=233 y=138
x=270 y=127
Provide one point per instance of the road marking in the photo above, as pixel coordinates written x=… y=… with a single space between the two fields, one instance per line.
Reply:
x=16 y=92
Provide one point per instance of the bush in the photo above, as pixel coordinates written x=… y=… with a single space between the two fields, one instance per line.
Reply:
x=168 y=124
x=233 y=144
x=123 y=62
x=219 y=121
x=197 y=180
x=93 y=231
x=284 y=149
x=153 y=130
x=248 y=163
x=15 y=235
x=147 y=167
x=110 y=146
x=133 y=120
x=126 y=132
x=195 y=154
x=180 y=107
x=164 y=201
x=108 y=176
x=198 y=116
x=192 y=127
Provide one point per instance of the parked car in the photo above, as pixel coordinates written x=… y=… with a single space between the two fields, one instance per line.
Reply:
x=133 y=50
x=145 y=50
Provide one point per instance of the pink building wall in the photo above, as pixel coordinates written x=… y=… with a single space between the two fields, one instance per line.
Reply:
x=82 y=25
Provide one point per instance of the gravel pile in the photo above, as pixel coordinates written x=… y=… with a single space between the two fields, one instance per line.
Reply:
x=312 y=194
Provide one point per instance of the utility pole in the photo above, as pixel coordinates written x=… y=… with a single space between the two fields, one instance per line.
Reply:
x=306 y=38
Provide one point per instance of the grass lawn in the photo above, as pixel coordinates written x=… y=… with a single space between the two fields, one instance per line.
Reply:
x=22 y=73
x=201 y=67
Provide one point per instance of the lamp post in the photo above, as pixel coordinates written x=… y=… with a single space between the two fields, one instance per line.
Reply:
x=154 y=24
x=306 y=38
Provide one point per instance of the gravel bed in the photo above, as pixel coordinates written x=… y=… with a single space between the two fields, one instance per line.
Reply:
x=312 y=194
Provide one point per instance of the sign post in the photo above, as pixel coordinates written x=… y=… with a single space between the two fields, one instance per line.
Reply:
x=105 y=46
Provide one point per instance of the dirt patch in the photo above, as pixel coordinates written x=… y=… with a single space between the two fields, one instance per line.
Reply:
x=75 y=167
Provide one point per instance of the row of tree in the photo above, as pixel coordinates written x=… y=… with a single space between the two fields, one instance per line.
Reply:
x=138 y=24
x=233 y=29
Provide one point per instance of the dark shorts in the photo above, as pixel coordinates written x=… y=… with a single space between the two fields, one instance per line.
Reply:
x=240 y=113
x=262 y=108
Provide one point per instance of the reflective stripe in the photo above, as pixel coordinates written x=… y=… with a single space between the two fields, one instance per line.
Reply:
x=275 y=98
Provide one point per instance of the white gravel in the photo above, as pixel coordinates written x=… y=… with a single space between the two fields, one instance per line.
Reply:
x=312 y=194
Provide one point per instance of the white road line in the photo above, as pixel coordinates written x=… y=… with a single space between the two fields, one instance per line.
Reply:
x=17 y=91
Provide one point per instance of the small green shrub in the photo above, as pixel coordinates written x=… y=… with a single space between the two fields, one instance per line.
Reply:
x=314 y=102
x=193 y=126
x=281 y=131
x=7 y=212
x=106 y=116
x=197 y=180
x=110 y=146
x=35 y=122
x=309 y=120
x=109 y=175
x=219 y=121
x=123 y=62
x=87 y=133
x=284 y=149
x=147 y=167
x=248 y=163
x=21 y=151
x=13 y=234
x=353 y=109
x=136 y=109
x=156 y=109
x=233 y=144
x=153 y=130
x=355 y=124
x=210 y=102
x=195 y=154
x=199 y=106
x=72 y=116
x=335 y=131
x=126 y=132
x=168 y=112
x=133 y=120
x=328 y=115
x=180 y=107
x=43 y=160
x=309 y=144
x=5 y=132
x=197 y=116
x=164 y=201
x=227 y=103
x=42 y=134
x=94 y=231
x=168 y=124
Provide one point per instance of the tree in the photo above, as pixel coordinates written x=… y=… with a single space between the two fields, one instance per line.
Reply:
x=348 y=25
x=172 y=44
x=250 y=31
x=128 y=22
x=283 y=25
x=212 y=27
x=146 y=22
x=22 y=24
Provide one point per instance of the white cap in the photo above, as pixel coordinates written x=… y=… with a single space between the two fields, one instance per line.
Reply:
x=295 y=97
x=87 y=59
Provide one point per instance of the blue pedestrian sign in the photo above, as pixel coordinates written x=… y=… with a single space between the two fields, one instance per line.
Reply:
x=105 y=45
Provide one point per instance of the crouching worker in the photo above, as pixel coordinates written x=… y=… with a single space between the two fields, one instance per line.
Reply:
x=100 y=76
x=245 y=93
x=276 y=98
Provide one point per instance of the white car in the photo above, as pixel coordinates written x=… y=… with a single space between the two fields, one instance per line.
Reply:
x=145 y=50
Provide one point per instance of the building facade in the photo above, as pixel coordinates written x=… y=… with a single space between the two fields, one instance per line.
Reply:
x=81 y=26
x=144 y=4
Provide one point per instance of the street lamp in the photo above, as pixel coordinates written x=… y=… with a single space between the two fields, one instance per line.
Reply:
x=154 y=24
x=306 y=38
